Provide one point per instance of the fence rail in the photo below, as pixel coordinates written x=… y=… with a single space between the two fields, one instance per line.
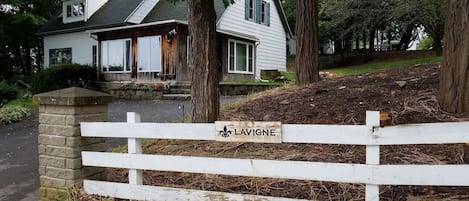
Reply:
x=372 y=174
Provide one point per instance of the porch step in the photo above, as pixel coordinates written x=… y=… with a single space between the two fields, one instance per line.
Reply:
x=176 y=96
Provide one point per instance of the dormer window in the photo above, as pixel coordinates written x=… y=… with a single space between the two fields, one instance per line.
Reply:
x=74 y=11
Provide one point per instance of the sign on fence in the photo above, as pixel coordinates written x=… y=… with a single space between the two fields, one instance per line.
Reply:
x=248 y=131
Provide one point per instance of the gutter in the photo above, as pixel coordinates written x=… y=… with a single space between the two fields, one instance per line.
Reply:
x=77 y=29
x=138 y=26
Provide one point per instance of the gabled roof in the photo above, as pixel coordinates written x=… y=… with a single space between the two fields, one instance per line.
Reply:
x=112 y=14
x=119 y=13
x=165 y=10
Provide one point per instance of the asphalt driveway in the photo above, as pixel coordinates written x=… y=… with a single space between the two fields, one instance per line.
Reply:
x=19 y=179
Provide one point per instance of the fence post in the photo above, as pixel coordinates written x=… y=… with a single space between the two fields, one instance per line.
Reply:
x=134 y=147
x=60 y=142
x=372 y=154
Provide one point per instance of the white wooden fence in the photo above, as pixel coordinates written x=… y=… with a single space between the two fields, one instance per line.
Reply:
x=372 y=174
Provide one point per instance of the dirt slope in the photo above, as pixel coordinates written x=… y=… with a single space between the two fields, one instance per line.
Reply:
x=404 y=96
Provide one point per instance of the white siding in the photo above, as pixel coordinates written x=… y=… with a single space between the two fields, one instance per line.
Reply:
x=92 y=6
x=142 y=11
x=271 y=52
x=80 y=42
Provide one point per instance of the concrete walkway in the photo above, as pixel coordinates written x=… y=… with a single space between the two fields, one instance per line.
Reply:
x=19 y=180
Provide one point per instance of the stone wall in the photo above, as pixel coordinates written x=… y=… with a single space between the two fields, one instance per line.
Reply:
x=135 y=94
x=60 y=142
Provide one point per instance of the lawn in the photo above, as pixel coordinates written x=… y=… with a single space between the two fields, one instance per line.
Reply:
x=371 y=67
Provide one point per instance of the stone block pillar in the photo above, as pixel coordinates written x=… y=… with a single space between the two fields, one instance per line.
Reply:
x=60 y=141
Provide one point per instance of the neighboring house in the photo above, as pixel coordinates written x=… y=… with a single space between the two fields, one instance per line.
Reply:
x=147 y=40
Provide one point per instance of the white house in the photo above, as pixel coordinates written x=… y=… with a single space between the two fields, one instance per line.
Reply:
x=147 y=40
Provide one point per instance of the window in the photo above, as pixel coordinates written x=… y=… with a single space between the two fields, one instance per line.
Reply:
x=149 y=54
x=258 y=11
x=75 y=9
x=116 y=55
x=241 y=57
x=251 y=10
x=94 y=50
x=60 y=56
x=263 y=12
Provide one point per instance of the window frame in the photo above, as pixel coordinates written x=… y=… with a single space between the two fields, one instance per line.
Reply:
x=263 y=11
x=66 y=55
x=149 y=68
x=248 y=59
x=68 y=14
x=125 y=60
x=252 y=10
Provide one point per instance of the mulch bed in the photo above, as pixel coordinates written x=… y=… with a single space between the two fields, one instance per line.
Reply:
x=405 y=95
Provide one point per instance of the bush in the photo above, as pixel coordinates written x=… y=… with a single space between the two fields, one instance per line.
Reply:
x=7 y=92
x=425 y=44
x=13 y=113
x=64 y=76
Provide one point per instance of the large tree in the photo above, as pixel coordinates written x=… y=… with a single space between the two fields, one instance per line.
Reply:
x=454 y=80
x=20 y=48
x=307 y=37
x=204 y=61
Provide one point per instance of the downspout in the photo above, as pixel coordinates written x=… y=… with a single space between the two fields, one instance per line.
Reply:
x=98 y=50
x=257 y=43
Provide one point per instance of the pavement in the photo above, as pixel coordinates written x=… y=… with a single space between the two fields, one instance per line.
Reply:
x=19 y=179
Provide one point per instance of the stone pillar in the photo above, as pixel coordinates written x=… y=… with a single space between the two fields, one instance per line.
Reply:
x=60 y=141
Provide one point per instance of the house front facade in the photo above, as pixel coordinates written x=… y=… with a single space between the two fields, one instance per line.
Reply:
x=148 y=41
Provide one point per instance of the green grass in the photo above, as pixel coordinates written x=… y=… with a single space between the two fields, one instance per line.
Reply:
x=27 y=103
x=370 y=67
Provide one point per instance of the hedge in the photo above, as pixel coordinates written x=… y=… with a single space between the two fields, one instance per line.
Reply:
x=64 y=76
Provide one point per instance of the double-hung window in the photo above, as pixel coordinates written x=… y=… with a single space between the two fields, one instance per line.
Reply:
x=240 y=57
x=74 y=11
x=116 y=55
x=258 y=11
x=263 y=12
x=251 y=10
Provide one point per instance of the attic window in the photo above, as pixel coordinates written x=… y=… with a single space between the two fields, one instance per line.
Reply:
x=76 y=9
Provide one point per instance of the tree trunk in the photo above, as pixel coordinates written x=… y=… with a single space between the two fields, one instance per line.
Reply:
x=307 y=28
x=364 y=40
x=357 y=42
x=372 y=43
x=204 y=61
x=454 y=83
x=437 y=46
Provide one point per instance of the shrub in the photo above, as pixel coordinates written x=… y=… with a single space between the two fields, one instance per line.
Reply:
x=7 y=92
x=13 y=113
x=63 y=76
x=425 y=44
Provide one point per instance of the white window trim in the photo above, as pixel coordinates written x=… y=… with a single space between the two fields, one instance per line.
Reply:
x=247 y=59
x=70 y=19
x=253 y=19
x=125 y=60
x=264 y=15
x=159 y=37
x=188 y=49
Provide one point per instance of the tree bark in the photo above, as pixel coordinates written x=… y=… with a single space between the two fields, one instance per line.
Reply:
x=454 y=83
x=204 y=61
x=307 y=28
